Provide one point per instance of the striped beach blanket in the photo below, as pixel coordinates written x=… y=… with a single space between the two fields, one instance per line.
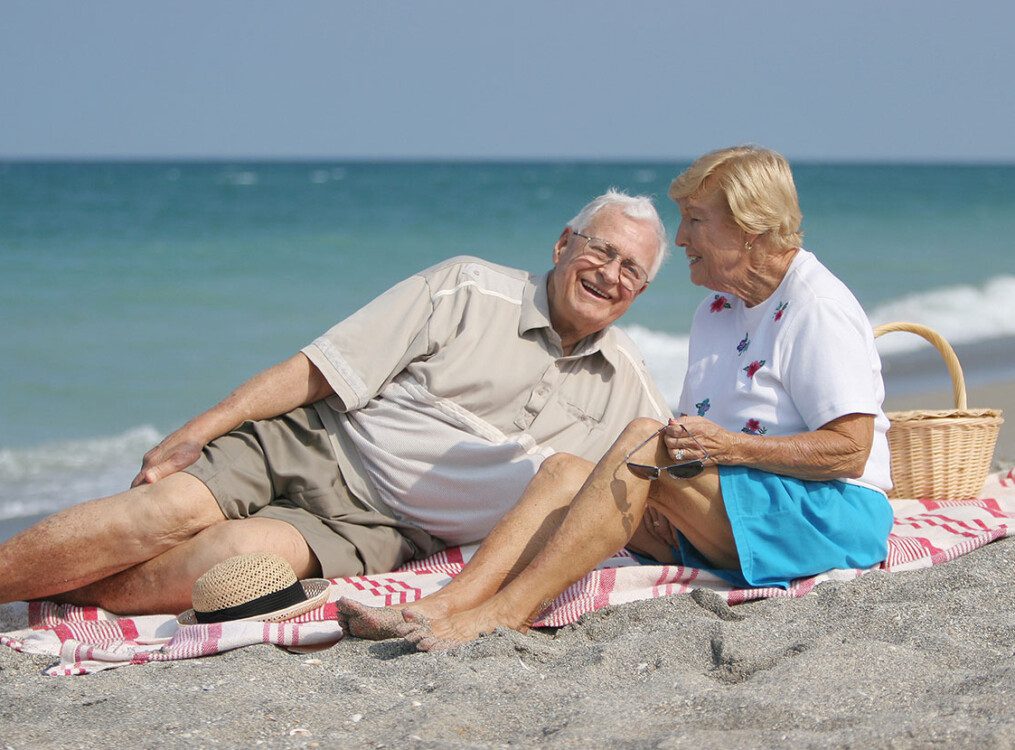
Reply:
x=87 y=639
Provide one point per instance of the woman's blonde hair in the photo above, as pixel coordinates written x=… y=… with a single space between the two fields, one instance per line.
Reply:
x=757 y=185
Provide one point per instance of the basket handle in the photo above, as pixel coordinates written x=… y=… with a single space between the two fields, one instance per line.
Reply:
x=943 y=347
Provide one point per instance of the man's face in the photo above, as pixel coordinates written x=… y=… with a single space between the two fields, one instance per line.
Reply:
x=585 y=295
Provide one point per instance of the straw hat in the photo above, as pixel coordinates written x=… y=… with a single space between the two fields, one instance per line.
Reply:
x=253 y=587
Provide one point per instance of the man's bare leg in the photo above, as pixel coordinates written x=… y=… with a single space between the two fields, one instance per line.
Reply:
x=515 y=540
x=97 y=539
x=605 y=514
x=164 y=583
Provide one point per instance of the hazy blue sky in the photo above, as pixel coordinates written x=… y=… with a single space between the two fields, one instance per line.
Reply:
x=855 y=79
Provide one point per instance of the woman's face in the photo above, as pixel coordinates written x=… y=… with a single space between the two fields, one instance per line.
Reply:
x=713 y=243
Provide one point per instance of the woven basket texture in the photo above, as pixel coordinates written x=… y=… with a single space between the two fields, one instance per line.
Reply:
x=940 y=454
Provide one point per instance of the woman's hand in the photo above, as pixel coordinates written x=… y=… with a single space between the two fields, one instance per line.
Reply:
x=697 y=438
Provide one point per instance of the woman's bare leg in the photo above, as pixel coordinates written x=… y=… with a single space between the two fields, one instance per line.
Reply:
x=694 y=507
x=516 y=539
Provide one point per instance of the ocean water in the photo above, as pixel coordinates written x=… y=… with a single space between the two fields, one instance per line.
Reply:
x=134 y=295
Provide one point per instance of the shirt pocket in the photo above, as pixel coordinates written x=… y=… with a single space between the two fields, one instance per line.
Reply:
x=584 y=398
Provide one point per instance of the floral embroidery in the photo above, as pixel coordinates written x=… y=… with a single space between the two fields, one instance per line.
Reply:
x=702 y=407
x=744 y=343
x=719 y=304
x=753 y=427
x=754 y=367
x=780 y=310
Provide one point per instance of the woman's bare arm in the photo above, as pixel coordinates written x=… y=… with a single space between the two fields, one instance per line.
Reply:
x=836 y=450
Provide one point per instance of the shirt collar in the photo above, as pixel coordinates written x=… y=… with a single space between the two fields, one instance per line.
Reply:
x=535 y=314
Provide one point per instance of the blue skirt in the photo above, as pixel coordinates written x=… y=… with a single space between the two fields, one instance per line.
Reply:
x=788 y=528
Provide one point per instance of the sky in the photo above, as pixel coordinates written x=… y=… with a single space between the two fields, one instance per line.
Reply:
x=528 y=79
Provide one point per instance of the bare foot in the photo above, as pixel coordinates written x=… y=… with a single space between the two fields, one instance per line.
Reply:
x=371 y=623
x=381 y=623
x=455 y=629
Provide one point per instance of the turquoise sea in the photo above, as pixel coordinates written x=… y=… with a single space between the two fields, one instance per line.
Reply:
x=133 y=295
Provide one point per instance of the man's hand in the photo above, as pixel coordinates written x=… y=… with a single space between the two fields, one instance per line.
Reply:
x=173 y=454
x=277 y=390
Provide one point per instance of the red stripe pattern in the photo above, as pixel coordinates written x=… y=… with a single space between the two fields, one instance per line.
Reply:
x=87 y=640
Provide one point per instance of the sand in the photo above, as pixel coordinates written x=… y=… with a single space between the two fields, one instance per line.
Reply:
x=901 y=660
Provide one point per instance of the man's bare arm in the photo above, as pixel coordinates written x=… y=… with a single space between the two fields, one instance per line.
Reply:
x=277 y=390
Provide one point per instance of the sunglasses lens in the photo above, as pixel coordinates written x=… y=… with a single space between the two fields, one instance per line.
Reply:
x=686 y=471
x=644 y=472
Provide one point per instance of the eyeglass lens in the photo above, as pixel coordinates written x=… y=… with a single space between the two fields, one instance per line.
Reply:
x=630 y=272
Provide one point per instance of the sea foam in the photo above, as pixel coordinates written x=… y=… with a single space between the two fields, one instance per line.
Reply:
x=52 y=476
x=961 y=314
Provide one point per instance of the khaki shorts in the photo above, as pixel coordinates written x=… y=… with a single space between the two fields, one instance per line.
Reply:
x=285 y=469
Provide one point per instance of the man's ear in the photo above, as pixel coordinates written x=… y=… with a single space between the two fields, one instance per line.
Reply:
x=561 y=244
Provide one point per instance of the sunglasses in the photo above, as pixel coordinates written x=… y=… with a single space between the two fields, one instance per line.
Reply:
x=683 y=470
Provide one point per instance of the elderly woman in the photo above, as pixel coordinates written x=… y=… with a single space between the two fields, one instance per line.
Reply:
x=776 y=468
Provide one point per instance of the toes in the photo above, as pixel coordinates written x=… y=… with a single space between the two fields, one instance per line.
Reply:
x=413 y=617
x=416 y=635
x=351 y=608
x=434 y=645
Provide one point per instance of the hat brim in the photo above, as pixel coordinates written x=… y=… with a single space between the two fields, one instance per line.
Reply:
x=315 y=589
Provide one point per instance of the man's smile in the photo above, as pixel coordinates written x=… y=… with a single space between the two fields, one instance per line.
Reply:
x=595 y=290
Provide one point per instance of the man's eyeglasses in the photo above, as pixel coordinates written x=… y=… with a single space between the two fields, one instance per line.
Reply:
x=684 y=470
x=632 y=276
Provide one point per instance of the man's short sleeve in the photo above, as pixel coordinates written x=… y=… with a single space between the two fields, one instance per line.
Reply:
x=363 y=352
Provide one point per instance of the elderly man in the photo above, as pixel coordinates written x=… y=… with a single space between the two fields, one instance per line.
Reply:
x=414 y=423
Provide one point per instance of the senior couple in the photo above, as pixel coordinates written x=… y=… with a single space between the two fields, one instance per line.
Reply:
x=421 y=420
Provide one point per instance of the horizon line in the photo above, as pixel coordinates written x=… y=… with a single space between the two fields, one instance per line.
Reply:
x=330 y=159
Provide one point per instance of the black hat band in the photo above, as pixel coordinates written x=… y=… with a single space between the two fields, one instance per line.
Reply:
x=276 y=600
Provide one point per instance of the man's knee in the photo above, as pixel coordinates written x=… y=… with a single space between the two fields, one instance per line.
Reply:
x=249 y=536
x=565 y=470
x=639 y=429
x=171 y=510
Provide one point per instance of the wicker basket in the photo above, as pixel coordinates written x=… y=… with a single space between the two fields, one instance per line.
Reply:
x=940 y=455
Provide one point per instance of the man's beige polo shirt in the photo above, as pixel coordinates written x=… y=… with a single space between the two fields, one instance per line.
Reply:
x=452 y=387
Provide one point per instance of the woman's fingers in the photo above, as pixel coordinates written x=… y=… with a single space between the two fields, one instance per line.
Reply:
x=693 y=438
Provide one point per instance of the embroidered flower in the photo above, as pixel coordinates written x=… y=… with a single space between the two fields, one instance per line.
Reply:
x=744 y=343
x=753 y=427
x=702 y=407
x=780 y=310
x=754 y=367
x=719 y=304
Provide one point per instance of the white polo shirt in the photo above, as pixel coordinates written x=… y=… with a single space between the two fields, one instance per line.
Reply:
x=452 y=387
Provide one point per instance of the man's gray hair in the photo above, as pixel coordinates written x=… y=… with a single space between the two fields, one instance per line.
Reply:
x=638 y=207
